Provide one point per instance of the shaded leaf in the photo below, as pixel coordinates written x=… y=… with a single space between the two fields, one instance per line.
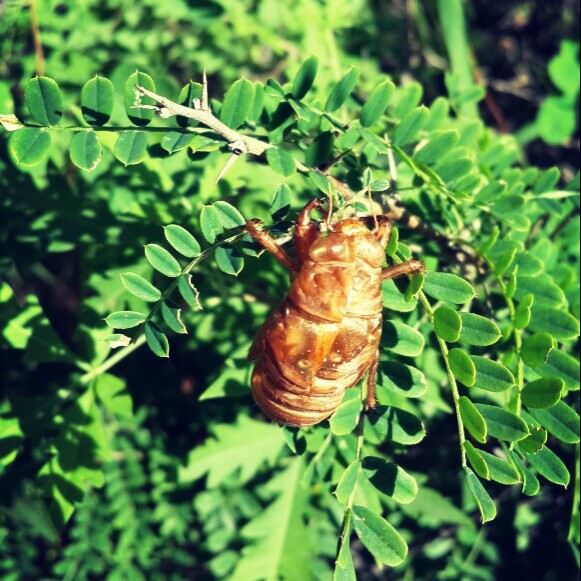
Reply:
x=29 y=147
x=237 y=103
x=390 y=479
x=379 y=537
x=171 y=314
x=481 y=497
x=342 y=90
x=44 y=100
x=502 y=424
x=131 y=147
x=140 y=117
x=561 y=421
x=447 y=324
x=462 y=366
x=228 y=260
x=542 y=393
x=473 y=420
x=491 y=375
x=410 y=126
x=346 y=416
x=347 y=482
x=86 y=151
x=305 y=77
x=156 y=340
x=97 y=99
x=375 y=106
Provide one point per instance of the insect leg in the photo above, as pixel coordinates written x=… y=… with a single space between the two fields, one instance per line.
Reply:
x=383 y=230
x=269 y=244
x=306 y=232
x=407 y=267
x=371 y=377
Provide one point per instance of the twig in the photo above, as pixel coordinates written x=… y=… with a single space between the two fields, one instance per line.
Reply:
x=36 y=36
x=201 y=112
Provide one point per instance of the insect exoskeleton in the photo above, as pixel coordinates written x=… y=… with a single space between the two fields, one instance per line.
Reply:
x=324 y=336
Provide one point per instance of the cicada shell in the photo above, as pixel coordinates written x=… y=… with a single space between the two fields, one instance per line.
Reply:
x=324 y=336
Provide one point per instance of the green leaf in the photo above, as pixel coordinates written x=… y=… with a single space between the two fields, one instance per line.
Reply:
x=175 y=141
x=226 y=453
x=447 y=324
x=228 y=260
x=473 y=420
x=537 y=439
x=557 y=322
x=125 y=319
x=97 y=99
x=531 y=484
x=44 y=100
x=156 y=340
x=29 y=147
x=402 y=379
x=319 y=151
x=478 y=462
x=140 y=117
x=281 y=202
x=162 y=260
x=560 y=364
x=491 y=375
x=237 y=103
x=280 y=161
x=398 y=425
x=131 y=147
x=402 y=339
x=346 y=416
x=522 y=315
x=171 y=314
x=393 y=299
x=117 y=340
x=228 y=215
x=375 y=106
x=477 y=330
x=210 y=223
x=347 y=482
x=380 y=185
x=462 y=366
x=86 y=151
x=502 y=424
x=188 y=291
x=485 y=504
x=536 y=348
x=182 y=241
x=561 y=421
x=113 y=394
x=448 y=287
x=140 y=287
x=186 y=98
x=547 y=293
x=390 y=479
x=342 y=90
x=500 y=470
x=543 y=393
x=305 y=77
x=410 y=126
x=379 y=537
x=278 y=533
x=549 y=465
x=440 y=143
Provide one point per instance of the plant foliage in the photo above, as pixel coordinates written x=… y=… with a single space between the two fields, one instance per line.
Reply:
x=115 y=463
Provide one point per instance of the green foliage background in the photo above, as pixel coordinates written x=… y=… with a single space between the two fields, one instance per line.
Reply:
x=120 y=465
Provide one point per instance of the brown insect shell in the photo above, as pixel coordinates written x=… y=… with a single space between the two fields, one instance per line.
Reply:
x=325 y=334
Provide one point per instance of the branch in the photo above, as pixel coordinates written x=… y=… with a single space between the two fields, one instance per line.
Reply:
x=201 y=112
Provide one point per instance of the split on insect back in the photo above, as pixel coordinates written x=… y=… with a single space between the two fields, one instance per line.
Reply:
x=324 y=336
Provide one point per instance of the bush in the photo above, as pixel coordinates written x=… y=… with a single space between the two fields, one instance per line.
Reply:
x=116 y=464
